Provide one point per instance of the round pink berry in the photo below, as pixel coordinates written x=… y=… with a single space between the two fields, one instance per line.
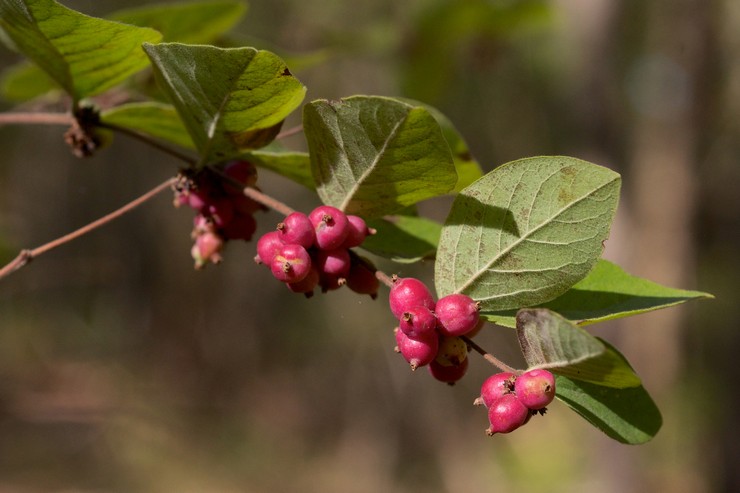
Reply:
x=357 y=231
x=207 y=248
x=408 y=292
x=448 y=374
x=362 y=280
x=417 y=352
x=333 y=262
x=292 y=263
x=297 y=228
x=457 y=314
x=331 y=227
x=506 y=414
x=268 y=246
x=496 y=386
x=418 y=322
x=535 y=388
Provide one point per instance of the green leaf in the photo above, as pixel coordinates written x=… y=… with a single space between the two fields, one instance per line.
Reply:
x=150 y=118
x=84 y=55
x=550 y=341
x=293 y=165
x=372 y=156
x=526 y=232
x=607 y=293
x=25 y=81
x=627 y=415
x=230 y=99
x=192 y=22
x=403 y=239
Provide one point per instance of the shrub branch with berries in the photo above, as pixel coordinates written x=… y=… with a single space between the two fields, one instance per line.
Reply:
x=521 y=246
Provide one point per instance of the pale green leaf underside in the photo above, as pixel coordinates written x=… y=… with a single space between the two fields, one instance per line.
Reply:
x=192 y=22
x=526 y=232
x=627 y=415
x=151 y=118
x=230 y=99
x=83 y=54
x=373 y=156
x=403 y=239
x=607 y=293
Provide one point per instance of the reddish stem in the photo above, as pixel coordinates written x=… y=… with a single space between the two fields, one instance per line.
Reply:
x=289 y=132
x=489 y=357
x=37 y=118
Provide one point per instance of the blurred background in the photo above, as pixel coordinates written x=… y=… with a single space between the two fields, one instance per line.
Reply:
x=124 y=369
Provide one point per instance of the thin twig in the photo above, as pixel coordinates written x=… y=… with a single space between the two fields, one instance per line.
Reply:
x=25 y=256
x=255 y=194
x=489 y=357
x=148 y=140
x=36 y=118
x=291 y=131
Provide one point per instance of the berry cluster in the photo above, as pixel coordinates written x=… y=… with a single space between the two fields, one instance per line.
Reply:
x=429 y=333
x=513 y=399
x=306 y=251
x=223 y=212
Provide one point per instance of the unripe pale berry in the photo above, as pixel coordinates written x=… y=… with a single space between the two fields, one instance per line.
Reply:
x=297 y=228
x=535 y=388
x=292 y=263
x=452 y=351
x=494 y=387
x=331 y=227
x=418 y=322
x=408 y=292
x=207 y=248
x=506 y=414
x=448 y=374
x=268 y=246
x=417 y=352
x=357 y=231
x=333 y=262
x=362 y=280
x=457 y=314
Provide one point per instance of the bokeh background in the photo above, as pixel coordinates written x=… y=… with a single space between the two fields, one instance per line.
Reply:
x=122 y=369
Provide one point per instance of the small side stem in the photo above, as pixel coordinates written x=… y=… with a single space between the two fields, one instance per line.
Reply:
x=291 y=131
x=489 y=357
x=256 y=195
x=37 y=118
x=26 y=256
x=147 y=140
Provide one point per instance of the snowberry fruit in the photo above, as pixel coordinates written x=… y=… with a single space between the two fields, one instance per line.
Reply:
x=241 y=227
x=357 y=231
x=535 y=388
x=362 y=280
x=457 y=314
x=243 y=172
x=506 y=414
x=418 y=322
x=333 y=262
x=207 y=248
x=331 y=227
x=452 y=351
x=268 y=246
x=448 y=374
x=291 y=263
x=408 y=292
x=297 y=228
x=307 y=284
x=417 y=352
x=494 y=387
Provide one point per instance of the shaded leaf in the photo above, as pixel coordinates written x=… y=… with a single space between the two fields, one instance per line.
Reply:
x=83 y=54
x=193 y=22
x=150 y=118
x=293 y=165
x=24 y=81
x=526 y=232
x=403 y=239
x=230 y=99
x=372 y=156
x=627 y=415
x=607 y=293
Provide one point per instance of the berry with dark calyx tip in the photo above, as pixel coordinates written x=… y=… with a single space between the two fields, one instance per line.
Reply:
x=417 y=352
x=292 y=263
x=457 y=314
x=331 y=227
x=307 y=284
x=268 y=246
x=535 y=388
x=408 y=292
x=362 y=280
x=207 y=248
x=297 y=228
x=452 y=351
x=494 y=387
x=241 y=227
x=418 y=322
x=328 y=282
x=448 y=374
x=333 y=262
x=506 y=414
x=357 y=231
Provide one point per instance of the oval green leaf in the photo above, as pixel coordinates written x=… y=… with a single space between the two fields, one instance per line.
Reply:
x=403 y=239
x=627 y=415
x=151 y=118
x=373 y=156
x=526 y=232
x=83 y=54
x=230 y=99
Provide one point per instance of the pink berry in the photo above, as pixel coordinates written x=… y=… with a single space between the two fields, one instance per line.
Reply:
x=448 y=374
x=307 y=284
x=241 y=227
x=496 y=386
x=297 y=228
x=535 y=388
x=506 y=414
x=328 y=282
x=331 y=226
x=417 y=352
x=207 y=248
x=243 y=172
x=408 y=292
x=221 y=211
x=292 y=263
x=333 y=262
x=357 y=231
x=452 y=351
x=457 y=314
x=362 y=280
x=418 y=322
x=268 y=246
